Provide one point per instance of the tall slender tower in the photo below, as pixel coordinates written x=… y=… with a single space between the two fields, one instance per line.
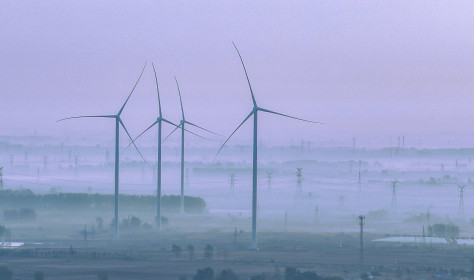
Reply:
x=361 y=224
x=45 y=162
x=394 y=193
x=359 y=184
x=76 y=171
x=299 y=187
x=1 y=178
x=232 y=181
x=461 y=198
x=269 y=180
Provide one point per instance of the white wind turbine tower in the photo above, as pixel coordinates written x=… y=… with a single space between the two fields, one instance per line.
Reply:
x=181 y=125
x=118 y=123
x=254 y=113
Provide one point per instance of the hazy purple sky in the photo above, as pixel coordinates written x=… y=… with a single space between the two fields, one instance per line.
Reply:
x=365 y=68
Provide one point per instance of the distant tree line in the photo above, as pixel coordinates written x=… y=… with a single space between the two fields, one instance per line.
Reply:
x=23 y=214
x=443 y=230
x=26 y=198
x=291 y=273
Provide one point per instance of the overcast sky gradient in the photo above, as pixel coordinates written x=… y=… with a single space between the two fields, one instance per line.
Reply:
x=368 y=69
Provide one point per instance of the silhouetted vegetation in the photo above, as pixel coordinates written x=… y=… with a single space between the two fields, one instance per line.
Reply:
x=26 y=198
x=24 y=214
x=208 y=252
x=176 y=250
x=227 y=274
x=442 y=230
x=204 y=274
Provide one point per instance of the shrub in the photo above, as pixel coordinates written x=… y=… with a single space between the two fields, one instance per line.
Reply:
x=204 y=274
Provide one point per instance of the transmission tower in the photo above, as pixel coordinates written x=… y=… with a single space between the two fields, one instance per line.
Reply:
x=299 y=187
x=461 y=198
x=232 y=181
x=361 y=224
x=269 y=180
x=1 y=178
x=394 y=193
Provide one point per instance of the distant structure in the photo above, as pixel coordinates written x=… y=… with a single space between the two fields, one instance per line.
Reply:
x=299 y=187
x=359 y=184
x=1 y=178
x=76 y=170
x=461 y=198
x=11 y=161
x=232 y=181
x=341 y=201
x=361 y=224
x=423 y=237
x=269 y=180
x=187 y=177
x=316 y=214
x=394 y=193
x=45 y=163
x=403 y=142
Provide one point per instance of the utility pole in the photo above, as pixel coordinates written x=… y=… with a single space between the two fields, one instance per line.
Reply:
x=394 y=193
x=299 y=187
x=45 y=162
x=232 y=181
x=461 y=198
x=269 y=180
x=423 y=237
x=361 y=224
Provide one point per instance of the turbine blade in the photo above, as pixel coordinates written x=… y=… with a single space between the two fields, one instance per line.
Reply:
x=139 y=136
x=97 y=116
x=190 y=123
x=251 y=113
x=133 y=143
x=197 y=135
x=180 y=99
x=123 y=106
x=167 y=121
x=171 y=133
x=291 y=117
x=245 y=70
x=157 y=89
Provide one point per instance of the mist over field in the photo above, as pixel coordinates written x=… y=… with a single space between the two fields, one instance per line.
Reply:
x=361 y=167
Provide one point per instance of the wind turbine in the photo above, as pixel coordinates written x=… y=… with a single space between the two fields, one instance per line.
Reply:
x=254 y=113
x=118 y=123
x=181 y=125
x=159 y=122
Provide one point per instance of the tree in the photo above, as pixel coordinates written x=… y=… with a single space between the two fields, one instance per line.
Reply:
x=208 y=252
x=227 y=274
x=204 y=274
x=176 y=250
x=191 y=250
